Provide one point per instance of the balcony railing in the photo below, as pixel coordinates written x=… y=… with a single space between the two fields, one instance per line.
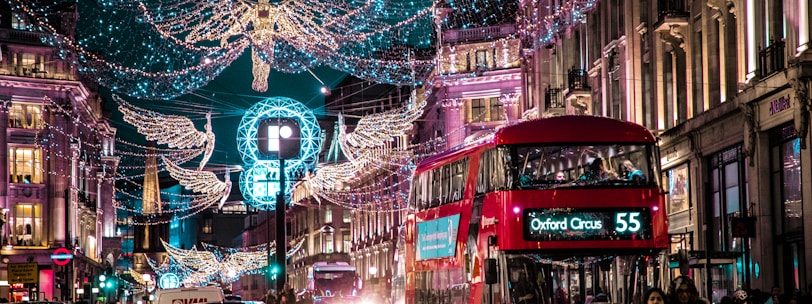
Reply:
x=552 y=98
x=478 y=33
x=21 y=36
x=771 y=59
x=578 y=79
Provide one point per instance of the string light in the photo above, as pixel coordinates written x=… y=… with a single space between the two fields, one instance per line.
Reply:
x=172 y=130
x=201 y=181
x=213 y=263
x=181 y=46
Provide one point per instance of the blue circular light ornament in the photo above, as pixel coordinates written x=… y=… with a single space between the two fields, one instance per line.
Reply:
x=259 y=182
x=169 y=280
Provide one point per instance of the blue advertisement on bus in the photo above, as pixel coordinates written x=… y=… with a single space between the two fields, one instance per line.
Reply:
x=437 y=238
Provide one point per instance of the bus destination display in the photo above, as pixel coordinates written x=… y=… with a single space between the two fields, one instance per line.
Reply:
x=582 y=224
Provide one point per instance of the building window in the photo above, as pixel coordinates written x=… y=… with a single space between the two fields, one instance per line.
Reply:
x=729 y=195
x=18 y=23
x=27 y=225
x=25 y=165
x=328 y=214
x=25 y=116
x=479 y=110
x=207 y=225
x=347 y=216
x=346 y=243
x=785 y=168
x=481 y=60
x=328 y=243
x=486 y=109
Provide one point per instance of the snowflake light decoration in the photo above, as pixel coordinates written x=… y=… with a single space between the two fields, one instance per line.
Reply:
x=258 y=182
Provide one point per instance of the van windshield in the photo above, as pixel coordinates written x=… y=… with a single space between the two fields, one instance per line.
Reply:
x=334 y=283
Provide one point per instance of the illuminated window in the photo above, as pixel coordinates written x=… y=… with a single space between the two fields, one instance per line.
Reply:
x=479 y=110
x=347 y=243
x=481 y=59
x=25 y=165
x=328 y=243
x=347 y=216
x=207 y=225
x=25 y=116
x=486 y=109
x=27 y=225
x=18 y=23
x=495 y=111
x=328 y=214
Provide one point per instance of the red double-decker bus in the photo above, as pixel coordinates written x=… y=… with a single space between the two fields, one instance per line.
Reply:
x=548 y=211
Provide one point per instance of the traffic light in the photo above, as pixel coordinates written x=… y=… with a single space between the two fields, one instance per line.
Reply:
x=273 y=272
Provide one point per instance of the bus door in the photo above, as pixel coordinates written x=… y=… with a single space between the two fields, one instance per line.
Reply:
x=520 y=281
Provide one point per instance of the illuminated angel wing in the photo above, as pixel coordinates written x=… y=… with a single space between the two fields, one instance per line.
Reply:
x=377 y=129
x=198 y=181
x=171 y=130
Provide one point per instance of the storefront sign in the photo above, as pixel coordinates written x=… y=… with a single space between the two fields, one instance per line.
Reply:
x=678 y=187
x=581 y=224
x=61 y=256
x=23 y=273
x=437 y=238
x=779 y=105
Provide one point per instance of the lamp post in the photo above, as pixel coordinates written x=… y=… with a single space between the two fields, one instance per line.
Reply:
x=279 y=138
x=289 y=148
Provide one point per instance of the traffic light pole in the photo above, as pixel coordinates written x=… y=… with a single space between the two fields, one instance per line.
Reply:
x=281 y=243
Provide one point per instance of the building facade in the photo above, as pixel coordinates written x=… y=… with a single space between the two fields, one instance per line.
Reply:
x=724 y=84
x=57 y=152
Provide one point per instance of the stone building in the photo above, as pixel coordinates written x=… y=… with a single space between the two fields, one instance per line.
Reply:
x=57 y=152
x=724 y=84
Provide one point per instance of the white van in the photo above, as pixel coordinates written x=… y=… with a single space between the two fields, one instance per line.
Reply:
x=195 y=295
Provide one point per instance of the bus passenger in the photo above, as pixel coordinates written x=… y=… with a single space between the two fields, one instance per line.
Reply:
x=632 y=173
x=597 y=172
x=559 y=177
x=523 y=290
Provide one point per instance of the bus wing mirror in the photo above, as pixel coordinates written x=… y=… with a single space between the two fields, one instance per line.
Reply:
x=491 y=275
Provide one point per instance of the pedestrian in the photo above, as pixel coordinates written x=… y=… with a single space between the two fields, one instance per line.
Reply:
x=270 y=298
x=683 y=291
x=740 y=296
x=655 y=296
x=776 y=297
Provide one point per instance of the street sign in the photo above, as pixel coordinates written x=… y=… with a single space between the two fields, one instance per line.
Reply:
x=61 y=256
x=23 y=273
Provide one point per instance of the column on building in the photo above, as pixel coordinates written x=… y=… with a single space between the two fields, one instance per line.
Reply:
x=106 y=194
x=5 y=104
x=510 y=104
x=58 y=183
x=454 y=119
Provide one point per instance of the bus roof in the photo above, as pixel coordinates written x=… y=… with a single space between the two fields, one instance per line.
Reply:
x=558 y=129
x=332 y=267
x=573 y=129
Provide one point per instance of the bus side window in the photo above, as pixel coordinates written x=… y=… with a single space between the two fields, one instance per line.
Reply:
x=446 y=185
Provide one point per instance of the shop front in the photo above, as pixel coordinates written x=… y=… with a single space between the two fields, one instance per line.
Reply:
x=779 y=257
x=705 y=176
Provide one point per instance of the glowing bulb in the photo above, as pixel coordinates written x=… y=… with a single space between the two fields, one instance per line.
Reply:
x=325 y=90
x=285 y=132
